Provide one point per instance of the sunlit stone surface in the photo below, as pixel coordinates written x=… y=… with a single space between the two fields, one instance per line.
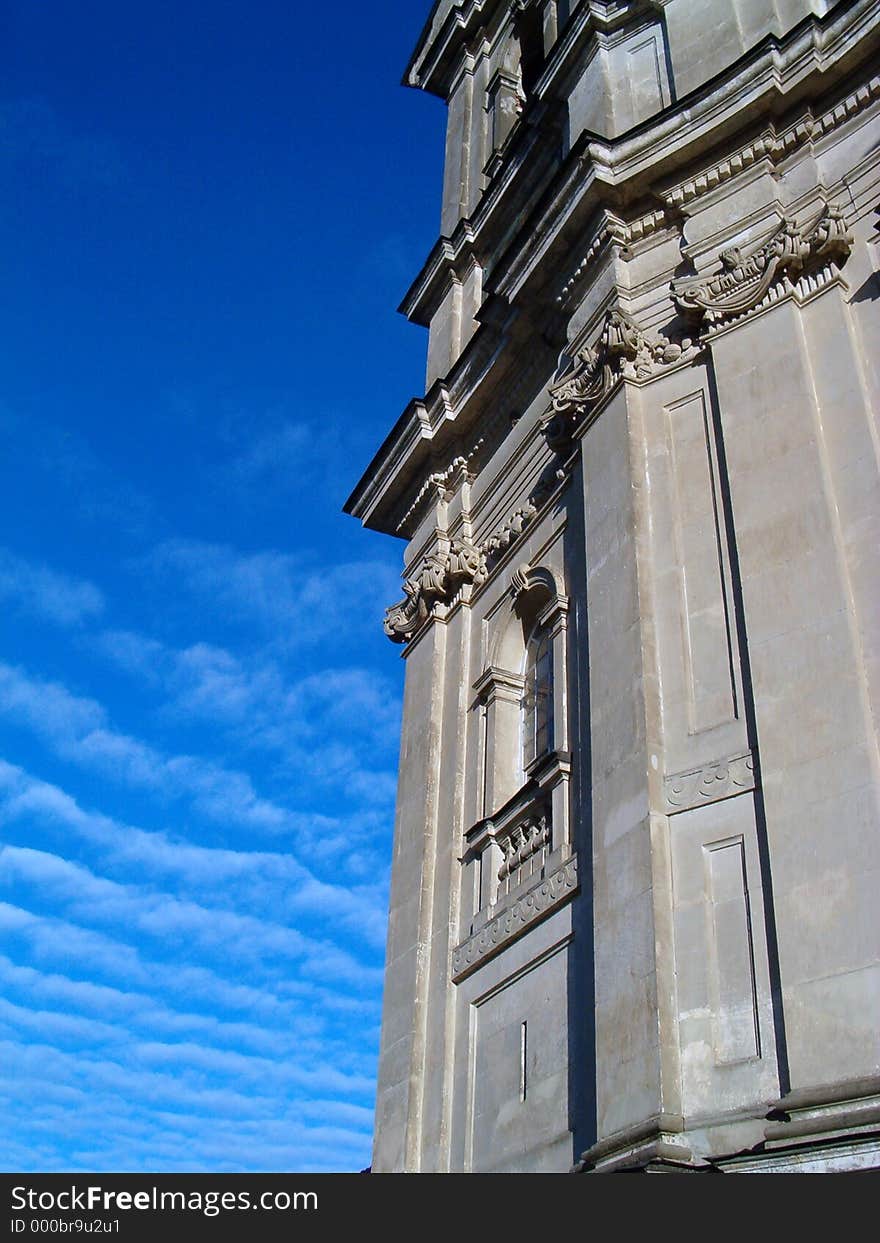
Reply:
x=634 y=895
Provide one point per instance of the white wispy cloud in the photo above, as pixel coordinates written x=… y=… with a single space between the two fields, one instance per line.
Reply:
x=149 y=1016
x=333 y=726
x=193 y=871
x=42 y=592
x=59 y=946
x=61 y=1027
x=267 y=880
x=181 y=1078
x=135 y=653
x=134 y=1011
x=283 y=456
x=193 y=930
x=77 y=728
x=65 y=472
x=171 y=1002
x=285 y=596
x=305 y=1066
x=129 y=1117
x=283 y=450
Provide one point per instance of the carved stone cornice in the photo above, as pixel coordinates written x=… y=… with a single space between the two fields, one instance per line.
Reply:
x=611 y=231
x=439 y=579
x=511 y=922
x=623 y=350
x=444 y=483
x=496 y=683
x=443 y=573
x=774 y=144
x=749 y=281
x=707 y=138
x=504 y=536
x=710 y=783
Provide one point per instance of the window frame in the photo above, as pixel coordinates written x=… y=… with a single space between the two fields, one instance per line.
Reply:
x=537 y=737
x=524 y=825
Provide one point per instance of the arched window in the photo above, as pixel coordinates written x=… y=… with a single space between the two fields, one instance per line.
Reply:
x=537 y=700
x=521 y=692
x=520 y=834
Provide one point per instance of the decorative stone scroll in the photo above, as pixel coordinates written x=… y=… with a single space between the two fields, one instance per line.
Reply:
x=534 y=905
x=623 y=349
x=748 y=281
x=511 y=528
x=441 y=576
x=709 y=784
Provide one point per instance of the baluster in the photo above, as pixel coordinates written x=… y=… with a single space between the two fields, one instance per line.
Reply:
x=536 y=841
x=545 y=838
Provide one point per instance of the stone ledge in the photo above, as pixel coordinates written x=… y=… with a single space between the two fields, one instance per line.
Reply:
x=710 y=783
x=510 y=924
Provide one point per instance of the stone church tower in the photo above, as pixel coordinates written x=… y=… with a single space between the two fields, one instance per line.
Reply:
x=635 y=919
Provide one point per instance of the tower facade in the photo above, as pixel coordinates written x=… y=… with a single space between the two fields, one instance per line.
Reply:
x=634 y=913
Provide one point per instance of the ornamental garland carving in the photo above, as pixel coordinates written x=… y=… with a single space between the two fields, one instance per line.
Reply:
x=746 y=280
x=510 y=530
x=622 y=350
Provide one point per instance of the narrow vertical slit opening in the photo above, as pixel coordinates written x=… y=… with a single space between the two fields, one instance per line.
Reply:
x=523 y=1048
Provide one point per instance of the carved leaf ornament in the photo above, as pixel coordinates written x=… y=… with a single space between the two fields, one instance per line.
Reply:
x=745 y=280
x=622 y=350
x=625 y=350
x=440 y=577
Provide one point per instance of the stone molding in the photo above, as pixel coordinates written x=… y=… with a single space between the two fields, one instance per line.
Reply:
x=512 y=528
x=749 y=281
x=794 y=260
x=530 y=837
x=534 y=905
x=440 y=578
x=709 y=784
x=512 y=848
x=612 y=158
x=623 y=350
x=655 y=1143
x=444 y=482
x=703 y=152
x=772 y=144
x=496 y=683
x=526 y=578
x=612 y=230
x=443 y=574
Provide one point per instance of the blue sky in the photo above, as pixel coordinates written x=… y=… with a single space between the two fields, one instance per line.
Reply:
x=209 y=212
